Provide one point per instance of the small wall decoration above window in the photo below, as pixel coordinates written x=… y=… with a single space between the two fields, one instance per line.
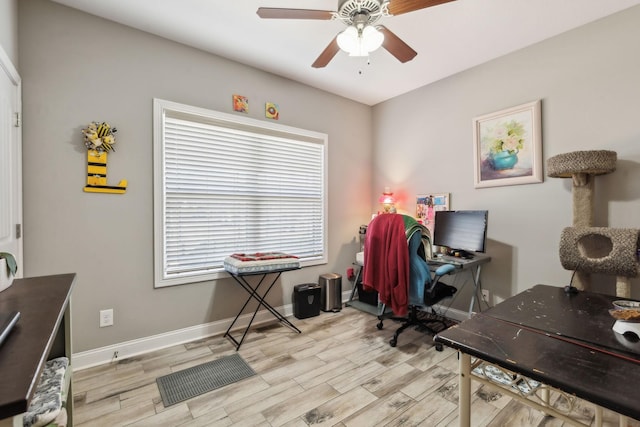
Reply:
x=507 y=146
x=271 y=111
x=99 y=139
x=240 y=104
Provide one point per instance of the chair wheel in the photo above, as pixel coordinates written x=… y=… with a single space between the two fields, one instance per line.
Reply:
x=379 y=325
x=439 y=347
x=393 y=342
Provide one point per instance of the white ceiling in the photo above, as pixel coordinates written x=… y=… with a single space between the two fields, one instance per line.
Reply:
x=449 y=38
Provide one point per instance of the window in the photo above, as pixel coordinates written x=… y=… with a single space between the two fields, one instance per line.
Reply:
x=225 y=184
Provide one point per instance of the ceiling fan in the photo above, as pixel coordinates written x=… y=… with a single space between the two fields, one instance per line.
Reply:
x=362 y=35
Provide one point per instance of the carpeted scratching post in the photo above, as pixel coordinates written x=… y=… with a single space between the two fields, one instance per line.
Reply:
x=584 y=248
x=603 y=250
x=582 y=167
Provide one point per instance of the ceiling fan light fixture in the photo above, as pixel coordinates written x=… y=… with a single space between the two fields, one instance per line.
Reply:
x=371 y=38
x=360 y=43
x=348 y=39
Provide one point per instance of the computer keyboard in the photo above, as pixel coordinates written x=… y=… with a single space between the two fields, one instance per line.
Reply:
x=448 y=259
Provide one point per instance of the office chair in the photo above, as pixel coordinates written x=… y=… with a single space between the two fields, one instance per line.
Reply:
x=401 y=240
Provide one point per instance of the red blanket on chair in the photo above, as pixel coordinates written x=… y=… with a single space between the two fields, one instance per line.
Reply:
x=386 y=261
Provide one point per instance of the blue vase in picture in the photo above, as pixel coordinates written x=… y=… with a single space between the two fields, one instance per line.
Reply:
x=504 y=160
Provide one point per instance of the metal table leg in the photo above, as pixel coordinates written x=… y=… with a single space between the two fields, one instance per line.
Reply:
x=355 y=283
x=475 y=276
x=253 y=294
x=464 y=399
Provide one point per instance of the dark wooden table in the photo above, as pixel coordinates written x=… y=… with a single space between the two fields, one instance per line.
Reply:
x=560 y=339
x=43 y=332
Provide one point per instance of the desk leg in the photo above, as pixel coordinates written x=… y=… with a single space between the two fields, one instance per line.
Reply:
x=475 y=276
x=355 y=283
x=464 y=400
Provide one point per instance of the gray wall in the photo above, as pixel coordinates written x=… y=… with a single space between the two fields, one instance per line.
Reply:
x=9 y=28
x=78 y=68
x=587 y=80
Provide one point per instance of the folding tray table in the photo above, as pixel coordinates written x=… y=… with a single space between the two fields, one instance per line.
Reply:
x=241 y=279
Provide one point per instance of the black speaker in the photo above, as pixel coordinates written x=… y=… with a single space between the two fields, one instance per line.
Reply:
x=306 y=300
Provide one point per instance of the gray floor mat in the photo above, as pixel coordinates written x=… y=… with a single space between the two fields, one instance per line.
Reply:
x=200 y=379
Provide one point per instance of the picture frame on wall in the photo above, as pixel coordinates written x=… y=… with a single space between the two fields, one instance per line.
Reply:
x=507 y=146
x=427 y=205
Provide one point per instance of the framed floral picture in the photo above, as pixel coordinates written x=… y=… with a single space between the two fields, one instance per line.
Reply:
x=507 y=146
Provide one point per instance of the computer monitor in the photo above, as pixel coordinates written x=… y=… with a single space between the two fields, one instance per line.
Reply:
x=461 y=231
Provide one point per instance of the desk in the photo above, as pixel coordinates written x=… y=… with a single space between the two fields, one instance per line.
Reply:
x=42 y=333
x=241 y=279
x=472 y=266
x=561 y=340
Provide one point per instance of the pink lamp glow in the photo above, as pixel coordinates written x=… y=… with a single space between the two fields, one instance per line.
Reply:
x=387 y=201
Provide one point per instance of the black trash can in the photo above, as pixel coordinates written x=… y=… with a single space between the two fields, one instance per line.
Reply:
x=306 y=300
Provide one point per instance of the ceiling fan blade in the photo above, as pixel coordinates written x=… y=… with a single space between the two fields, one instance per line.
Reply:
x=277 y=13
x=327 y=54
x=395 y=46
x=398 y=7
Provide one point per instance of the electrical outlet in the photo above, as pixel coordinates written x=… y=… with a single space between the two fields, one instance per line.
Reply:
x=106 y=317
x=485 y=295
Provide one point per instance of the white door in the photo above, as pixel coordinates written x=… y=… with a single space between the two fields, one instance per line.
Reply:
x=10 y=161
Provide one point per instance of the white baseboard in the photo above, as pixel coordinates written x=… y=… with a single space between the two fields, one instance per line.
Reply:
x=100 y=356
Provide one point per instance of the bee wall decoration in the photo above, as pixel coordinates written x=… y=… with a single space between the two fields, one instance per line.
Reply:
x=99 y=139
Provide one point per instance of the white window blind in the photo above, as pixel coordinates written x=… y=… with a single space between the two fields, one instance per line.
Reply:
x=230 y=184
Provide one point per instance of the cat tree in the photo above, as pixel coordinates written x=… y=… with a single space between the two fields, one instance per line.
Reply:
x=584 y=248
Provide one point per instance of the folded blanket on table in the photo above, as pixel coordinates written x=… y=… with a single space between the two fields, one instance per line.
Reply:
x=260 y=262
x=262 y=256
x=46 y=404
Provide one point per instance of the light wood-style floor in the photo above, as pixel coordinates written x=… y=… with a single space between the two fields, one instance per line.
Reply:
x=340 y=371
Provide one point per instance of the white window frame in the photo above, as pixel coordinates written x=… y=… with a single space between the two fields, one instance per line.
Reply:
x=230 y=122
